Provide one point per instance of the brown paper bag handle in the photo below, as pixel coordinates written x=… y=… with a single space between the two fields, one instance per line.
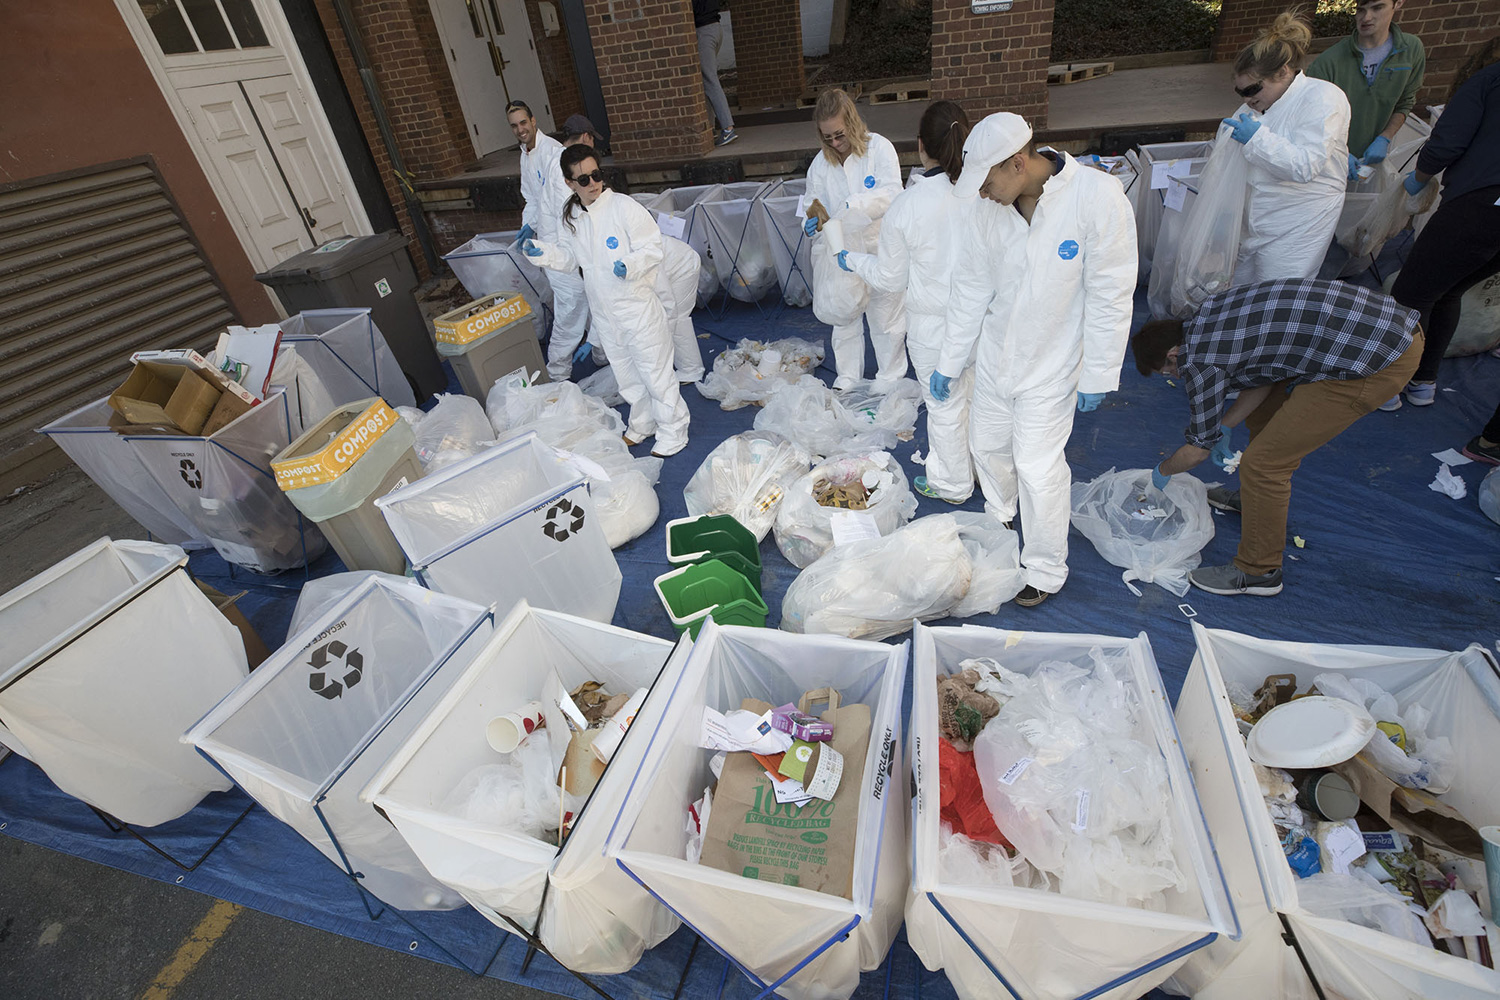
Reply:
x=819 y=696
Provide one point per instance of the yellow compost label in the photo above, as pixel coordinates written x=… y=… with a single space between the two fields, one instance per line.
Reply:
x=479 y=318
x=336 y=457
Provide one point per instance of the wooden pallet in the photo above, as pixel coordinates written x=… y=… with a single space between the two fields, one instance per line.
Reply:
x=1065 y=73
x=895 y=93
x=810 y=96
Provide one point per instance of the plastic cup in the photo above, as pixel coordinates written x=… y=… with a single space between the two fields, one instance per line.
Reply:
x=508 y=731
x=833 y=232
x=1491 y=837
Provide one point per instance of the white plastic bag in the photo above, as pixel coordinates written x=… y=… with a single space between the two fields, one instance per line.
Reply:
x=1210 y=241
x=1427 y=763
x=1391 y=212
x=804 y=528
x=1489 y=495
x=1155 y=536
x=603 y=386
x=1360 y=899
x=451 y=431
x=839 y=296
x=873 y=589
x=832 y=423
x=747 y=476
x=752 y=370
x=995 y=551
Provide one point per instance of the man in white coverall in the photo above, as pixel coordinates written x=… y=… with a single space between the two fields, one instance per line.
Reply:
x=677 y=287
x=1044 y=285
x=544 y=192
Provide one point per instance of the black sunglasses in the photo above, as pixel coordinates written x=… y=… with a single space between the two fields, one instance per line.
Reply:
x=1251 y=90
x=584 y=180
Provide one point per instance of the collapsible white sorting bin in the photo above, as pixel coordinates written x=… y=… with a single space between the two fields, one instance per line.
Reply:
x=349 y=354
x=1169 y=236
x=304 y=733
x=491 y=262
x=682 y=204
x=1028 y=943
x=1462 y=690
x=1148 y=201
x=514 y=522
x=104 y=660
x=596 y=919
x=791 y=250
x=740 y=245
x=795 y=187
x=796 y=942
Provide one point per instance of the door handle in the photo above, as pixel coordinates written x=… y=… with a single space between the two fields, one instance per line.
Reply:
x=308 y=218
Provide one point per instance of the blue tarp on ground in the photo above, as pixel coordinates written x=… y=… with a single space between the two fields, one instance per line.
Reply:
x=1385 y=560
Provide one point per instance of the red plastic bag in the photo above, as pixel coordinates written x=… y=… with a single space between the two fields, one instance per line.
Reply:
x=962 y=797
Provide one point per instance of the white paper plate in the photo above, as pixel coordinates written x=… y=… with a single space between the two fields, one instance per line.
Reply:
x=1310 y=732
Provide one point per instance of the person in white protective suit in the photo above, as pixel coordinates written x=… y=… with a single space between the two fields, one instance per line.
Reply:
x=1294 y=131
x=1044 y=281
x=856 y=177
x=677 y=286
x=917 y=252
x=618 y=247
x=544 y=191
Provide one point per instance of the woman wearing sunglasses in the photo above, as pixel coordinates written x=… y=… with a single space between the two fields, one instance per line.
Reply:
x=618 y=247
x=856 y=176
x=1293 y=130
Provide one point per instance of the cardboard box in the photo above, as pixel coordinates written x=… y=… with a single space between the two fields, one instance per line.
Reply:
x=142 y=398
x=192 y=402
x=229 y=409
x=255 y=647
x=192 y=359
x=479 y=318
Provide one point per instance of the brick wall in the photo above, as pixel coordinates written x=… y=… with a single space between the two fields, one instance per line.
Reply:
x=1450 y=31
x=564 y=96
x=992 y=62
x=767 y=51
x=453 y=228
x=1241 y=20
x=647 y=55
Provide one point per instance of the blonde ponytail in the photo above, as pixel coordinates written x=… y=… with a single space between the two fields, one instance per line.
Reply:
x=1285 y=42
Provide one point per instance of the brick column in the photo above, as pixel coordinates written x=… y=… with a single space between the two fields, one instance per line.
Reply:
x=647 y=54
x=564 y=96
x=993 y=62
x=1450 y=31
x=1240 y=21
x=767 y=51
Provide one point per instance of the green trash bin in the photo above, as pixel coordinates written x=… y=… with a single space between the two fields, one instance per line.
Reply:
x=714 y=536
x=692 y=593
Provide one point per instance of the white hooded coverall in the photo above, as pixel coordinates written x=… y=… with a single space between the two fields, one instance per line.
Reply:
x=1049 y=304
x=918 y=247
x=545 y=191
x=865 y=184
x=677 y=286
x=628 y=315
x=1299 y=165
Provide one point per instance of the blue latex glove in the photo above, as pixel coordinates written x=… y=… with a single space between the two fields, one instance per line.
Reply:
x=1412 y=185
x=1376 y=150
x=1158 y=479
x=810 y=227
x=1223 y=449
x=1353 y=166
x=1244 y=127
x=844 y=261
x=526 y=232
x=1089 y=401
x=582 y=352
x=530 y=249
x=940 y=385
x=619 y=269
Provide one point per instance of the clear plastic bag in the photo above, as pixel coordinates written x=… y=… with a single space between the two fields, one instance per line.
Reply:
x=451 y=431
x=996 y=553
x=839 y=296
x=752 y=370
x=519 y=793
x=873 y=589
x=966 y=862
x=569 y=415
x=747 y=477
x=1154 y=535
x=1210 y=240
x=1358 y=898
x=1427 y=763
x=804 y=527
x=1391 y=212
x=319 y=595
x=831 y=423
x=1489 y=495
x=603 y=386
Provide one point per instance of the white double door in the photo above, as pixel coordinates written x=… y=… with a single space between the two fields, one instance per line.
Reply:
x=492 y=57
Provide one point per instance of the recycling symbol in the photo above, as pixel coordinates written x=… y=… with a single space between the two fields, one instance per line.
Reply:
x=331 y=658
x=190 y=473
x=564 y=518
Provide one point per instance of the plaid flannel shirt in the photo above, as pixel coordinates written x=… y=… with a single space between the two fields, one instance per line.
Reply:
x=1287 y=330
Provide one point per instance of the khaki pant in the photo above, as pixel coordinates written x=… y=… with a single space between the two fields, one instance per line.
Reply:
x=1288 y=427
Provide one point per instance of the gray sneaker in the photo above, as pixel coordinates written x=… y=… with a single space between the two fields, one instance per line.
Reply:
x=1224 y=498
x=1232 y=580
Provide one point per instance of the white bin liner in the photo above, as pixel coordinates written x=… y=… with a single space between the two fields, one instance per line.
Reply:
x=1156 y=536
x=492 y=262
x=305 y=732
x=1041 y=945
x=825 y=422
x=1205 y=244
x=739 y=243
x=513 y=522
x=349 y=353
x=683 y=203
x=791 y=250
x=804 y=528
x=1462 y=690
x=104 y=660
x=1148 y=201
x=597 y=920
x=770 y=930
x=746 y=476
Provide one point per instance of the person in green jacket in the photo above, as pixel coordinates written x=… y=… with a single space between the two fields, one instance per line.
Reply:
x=1379 y=68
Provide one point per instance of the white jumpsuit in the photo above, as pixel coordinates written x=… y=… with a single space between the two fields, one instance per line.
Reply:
x=628 y=315
x=865 y=184
x=545 y=191
x=677 y=286
x=1049 y=304
x=1299 y=165
x=917 y=252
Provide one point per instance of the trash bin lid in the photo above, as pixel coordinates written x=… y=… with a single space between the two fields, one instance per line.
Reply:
x=332 y=259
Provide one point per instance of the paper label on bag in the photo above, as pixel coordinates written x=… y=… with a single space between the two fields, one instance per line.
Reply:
x=1176 y=196
x=671 y=225
x=1081 y=811
x=853 y=526
x=1344 y=847
x=1013 y=773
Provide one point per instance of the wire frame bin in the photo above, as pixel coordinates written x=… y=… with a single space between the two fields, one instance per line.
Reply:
x=104 y=660
x=791 y=250
x=348 y=352
x=1148 y=194
x=492 y=262
x=304 y=733
x=678 y=209
x=511 y=523
x=741 y=246
x=1028 y=943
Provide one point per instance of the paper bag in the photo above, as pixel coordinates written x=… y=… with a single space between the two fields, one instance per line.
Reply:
x=1413 y=812
x=751 y=834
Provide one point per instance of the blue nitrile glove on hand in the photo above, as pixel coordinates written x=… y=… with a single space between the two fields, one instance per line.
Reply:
x=1158 y=479
x=1353 y=166
x=582 y=352
x=810 y=227
x=844 y=261
x=1375 y=152
x=526 y=232
x=619 y=269
x=939 y=385
x=530 y=249
x=1088 y=402
x=1412 y=185
x=1223 y=449
x=1244 y=127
